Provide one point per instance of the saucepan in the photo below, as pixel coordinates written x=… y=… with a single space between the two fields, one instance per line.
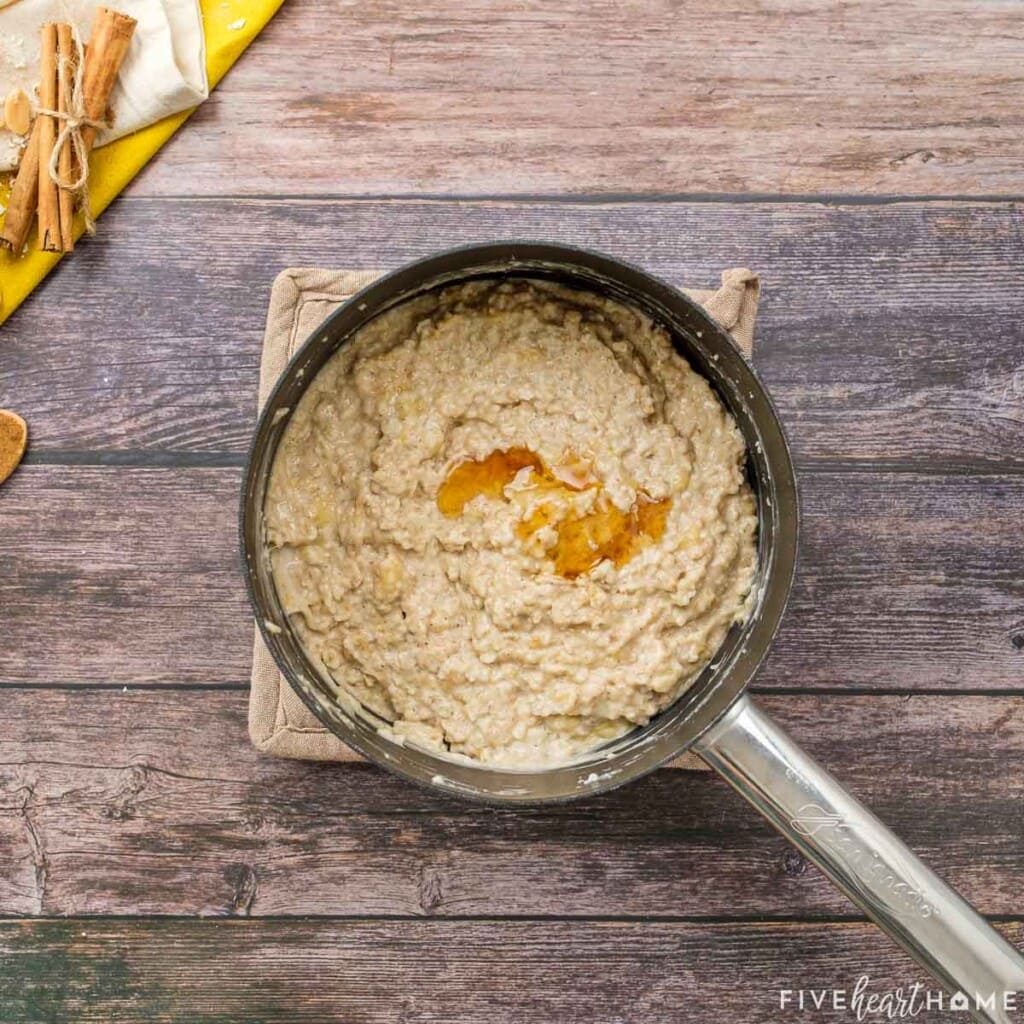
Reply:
x=715 y=718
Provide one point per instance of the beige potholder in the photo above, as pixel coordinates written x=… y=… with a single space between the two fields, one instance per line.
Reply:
x=301 y=299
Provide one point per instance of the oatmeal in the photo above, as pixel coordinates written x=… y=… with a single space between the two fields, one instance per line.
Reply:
x=509 y=518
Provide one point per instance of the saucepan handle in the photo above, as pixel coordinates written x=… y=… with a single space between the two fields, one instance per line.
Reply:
x=932 y=922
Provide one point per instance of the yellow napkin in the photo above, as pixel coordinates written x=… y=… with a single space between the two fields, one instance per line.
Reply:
x=115 y=165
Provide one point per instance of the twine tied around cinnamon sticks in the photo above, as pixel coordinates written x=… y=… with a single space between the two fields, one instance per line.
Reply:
x=69 y=151
x=74 y=90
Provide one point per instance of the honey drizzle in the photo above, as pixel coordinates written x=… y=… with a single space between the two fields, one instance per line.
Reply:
x=486 y=477
x=582 y=541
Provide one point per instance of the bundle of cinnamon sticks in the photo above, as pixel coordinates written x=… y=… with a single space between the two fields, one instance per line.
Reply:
x=69 y=102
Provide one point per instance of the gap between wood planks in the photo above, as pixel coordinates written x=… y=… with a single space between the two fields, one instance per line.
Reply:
x=779 y=920
x=235 y=686
x=156 y=458
x=588 y=199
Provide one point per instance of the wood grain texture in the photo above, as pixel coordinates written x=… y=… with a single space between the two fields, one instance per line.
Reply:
x=889 y=336
x=886 y=332
x=129 y=575
x=154 y=803
x=122 y=576
x=121 y=972
x=509 y=96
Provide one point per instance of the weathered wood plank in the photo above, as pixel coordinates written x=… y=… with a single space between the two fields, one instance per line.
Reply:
x=129 y=575
x=886 y=332
x=501 y=96
x=108 y=972
x=122 y=576
x=154 y=803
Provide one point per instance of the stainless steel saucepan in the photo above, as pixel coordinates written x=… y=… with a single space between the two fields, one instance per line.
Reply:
x=716 y=717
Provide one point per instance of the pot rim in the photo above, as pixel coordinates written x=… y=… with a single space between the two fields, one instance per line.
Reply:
x=673 y=730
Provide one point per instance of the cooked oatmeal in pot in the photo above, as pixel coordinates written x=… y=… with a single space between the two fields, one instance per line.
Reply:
x=509 y=518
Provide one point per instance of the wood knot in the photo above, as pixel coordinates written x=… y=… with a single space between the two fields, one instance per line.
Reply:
x=429 y=889
x=121 y=806
x=794 y=863
x=916 y=156
x=253 y=823
x=244 y=887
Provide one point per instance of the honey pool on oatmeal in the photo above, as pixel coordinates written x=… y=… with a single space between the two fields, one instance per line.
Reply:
x=510 y=519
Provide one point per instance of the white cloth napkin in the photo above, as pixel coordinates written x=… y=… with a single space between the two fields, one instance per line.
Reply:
x=164 y=72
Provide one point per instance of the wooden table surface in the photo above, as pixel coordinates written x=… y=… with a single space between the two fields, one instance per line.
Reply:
x=868 y=161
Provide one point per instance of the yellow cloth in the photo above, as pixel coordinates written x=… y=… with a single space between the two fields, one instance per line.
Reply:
x=115 y=165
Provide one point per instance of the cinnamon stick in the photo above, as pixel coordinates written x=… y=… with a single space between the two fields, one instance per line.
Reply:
x=67 y=59
x=49 y=206
x=108 y=47
x=21 y=206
